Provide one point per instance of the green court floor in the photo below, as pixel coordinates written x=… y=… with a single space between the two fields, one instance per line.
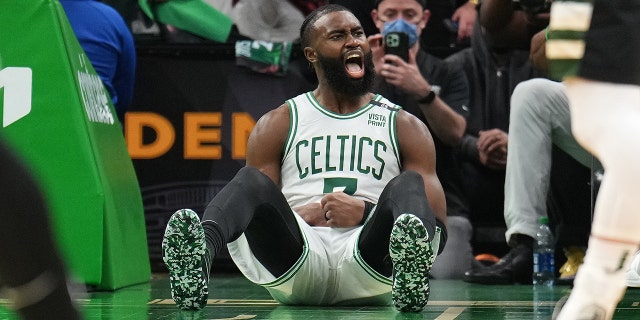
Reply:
x=233 y=297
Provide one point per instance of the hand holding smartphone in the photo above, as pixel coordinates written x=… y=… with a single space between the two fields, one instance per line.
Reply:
x=397 y=43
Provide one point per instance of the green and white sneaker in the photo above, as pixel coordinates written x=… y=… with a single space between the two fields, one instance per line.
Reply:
x=183 y=250
x=411 y=253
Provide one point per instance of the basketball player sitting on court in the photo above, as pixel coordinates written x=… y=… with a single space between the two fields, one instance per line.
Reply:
x=602 y=78
x=339 y=203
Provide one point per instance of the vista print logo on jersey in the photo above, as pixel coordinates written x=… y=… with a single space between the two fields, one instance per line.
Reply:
x=377 y=120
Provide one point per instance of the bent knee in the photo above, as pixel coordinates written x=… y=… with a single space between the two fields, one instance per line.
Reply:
x=536 y=97
x=251 y=176
x=408 y=177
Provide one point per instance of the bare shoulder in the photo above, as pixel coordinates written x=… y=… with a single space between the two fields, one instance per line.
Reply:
x=268 y=135
x=414 y=138
x=411 y=128
x=278 y=117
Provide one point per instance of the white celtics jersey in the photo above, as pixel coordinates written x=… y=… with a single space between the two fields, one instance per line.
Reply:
x=325 y=152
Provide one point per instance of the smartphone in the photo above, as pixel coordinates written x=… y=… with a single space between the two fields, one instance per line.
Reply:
x=397 y=43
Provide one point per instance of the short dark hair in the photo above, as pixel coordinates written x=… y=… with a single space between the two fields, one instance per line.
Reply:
x=423 y=3
x=307 y=24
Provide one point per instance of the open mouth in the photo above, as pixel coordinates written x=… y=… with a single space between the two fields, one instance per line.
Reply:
x=354 y=64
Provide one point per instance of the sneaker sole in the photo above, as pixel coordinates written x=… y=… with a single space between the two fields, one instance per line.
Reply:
x=183 y=247
x=411 y=253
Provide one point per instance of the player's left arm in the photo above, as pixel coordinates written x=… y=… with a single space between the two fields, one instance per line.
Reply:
x=418 y=154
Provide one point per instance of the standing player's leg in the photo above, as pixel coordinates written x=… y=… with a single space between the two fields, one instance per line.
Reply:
x=251 y=204
x=404 y=213
x=605 y=113
x=32 y=274
x=615 y=233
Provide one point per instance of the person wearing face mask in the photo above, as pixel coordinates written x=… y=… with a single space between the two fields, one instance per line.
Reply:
x=449 y=28
x=437 y=93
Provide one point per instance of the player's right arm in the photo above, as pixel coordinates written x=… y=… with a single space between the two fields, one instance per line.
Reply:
x=266 y=142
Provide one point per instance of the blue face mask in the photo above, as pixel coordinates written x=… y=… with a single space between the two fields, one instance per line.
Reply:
x=400 y=25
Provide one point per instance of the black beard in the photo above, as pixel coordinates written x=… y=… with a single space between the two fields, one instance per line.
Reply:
x=339 y=80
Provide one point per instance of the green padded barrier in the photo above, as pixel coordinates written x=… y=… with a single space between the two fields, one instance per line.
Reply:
x=58 y=116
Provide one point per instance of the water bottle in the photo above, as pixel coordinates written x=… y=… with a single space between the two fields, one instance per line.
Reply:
x=543 y=297
x=544 y=270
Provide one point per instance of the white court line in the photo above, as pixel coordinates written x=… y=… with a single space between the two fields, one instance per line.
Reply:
x=450 y=313
x=451 y=304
